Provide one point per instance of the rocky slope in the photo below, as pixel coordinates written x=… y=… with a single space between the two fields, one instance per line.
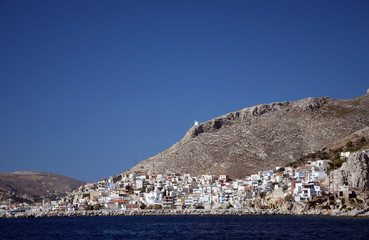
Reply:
x=260 y=137
x=36 y=183
x=354 y=137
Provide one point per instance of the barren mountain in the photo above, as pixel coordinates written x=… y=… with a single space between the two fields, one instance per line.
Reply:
x=260 y=137
x=36 y=183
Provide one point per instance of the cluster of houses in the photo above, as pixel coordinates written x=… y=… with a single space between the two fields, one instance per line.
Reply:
x=175 y=191
x=136 y=191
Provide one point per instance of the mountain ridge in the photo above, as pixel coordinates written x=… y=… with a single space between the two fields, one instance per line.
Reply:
x=33 y=183
x=260 y=137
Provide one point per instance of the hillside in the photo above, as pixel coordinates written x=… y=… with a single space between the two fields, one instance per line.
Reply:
x=261 y=137
x=36 y=183
x=357 y=136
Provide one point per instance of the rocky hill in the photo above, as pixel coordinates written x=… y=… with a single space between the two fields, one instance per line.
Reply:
x=36 y=183
x=261 y=137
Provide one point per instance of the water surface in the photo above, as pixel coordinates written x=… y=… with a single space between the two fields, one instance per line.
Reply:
x=186 y=227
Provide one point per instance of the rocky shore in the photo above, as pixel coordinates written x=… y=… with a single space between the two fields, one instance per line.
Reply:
x=245 y=211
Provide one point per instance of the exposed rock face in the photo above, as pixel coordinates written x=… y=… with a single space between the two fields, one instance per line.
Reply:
x=36 y=183
x=353 y=173
x=261 y=137
x=295 y=207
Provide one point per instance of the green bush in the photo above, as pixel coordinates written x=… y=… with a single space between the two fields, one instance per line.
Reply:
x=143 y=206
x=288 y=197
x=349 y=144
x=129 y=189
x=97 y=207
x=336 y=163
x=326 y=207
x=312 y=204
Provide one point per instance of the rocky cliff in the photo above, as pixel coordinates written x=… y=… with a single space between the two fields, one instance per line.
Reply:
x=260 y=137
x=353 y=173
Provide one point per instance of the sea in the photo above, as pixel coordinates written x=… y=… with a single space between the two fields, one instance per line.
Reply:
x=186 y=227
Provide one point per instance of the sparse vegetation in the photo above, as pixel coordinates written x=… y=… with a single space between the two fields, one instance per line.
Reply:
x=331 y=154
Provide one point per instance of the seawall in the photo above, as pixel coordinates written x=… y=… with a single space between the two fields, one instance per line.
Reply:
x=246 y=211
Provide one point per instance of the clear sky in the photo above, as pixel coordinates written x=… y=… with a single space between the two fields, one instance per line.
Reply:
x=90 y=88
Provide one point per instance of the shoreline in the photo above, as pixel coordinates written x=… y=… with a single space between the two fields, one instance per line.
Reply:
x=173 y=212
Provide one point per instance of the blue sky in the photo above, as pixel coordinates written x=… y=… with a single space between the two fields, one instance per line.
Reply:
x=90 y=88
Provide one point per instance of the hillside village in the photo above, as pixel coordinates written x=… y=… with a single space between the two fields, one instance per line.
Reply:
x=310 y=183
x=334 y=178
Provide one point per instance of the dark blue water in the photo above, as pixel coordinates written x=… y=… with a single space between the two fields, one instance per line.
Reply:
x=186 y=227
